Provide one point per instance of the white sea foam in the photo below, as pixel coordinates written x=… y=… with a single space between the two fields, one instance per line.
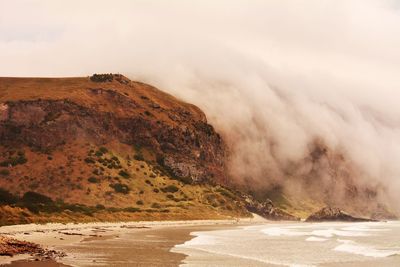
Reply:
x=279 y=231
x=199 y=240
x=334 y=232
x=350 y=246
x=294 y=244
x=363 y=228
x=316 y=239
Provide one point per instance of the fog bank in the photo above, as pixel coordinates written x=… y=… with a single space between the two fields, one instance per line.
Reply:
x=272 y=76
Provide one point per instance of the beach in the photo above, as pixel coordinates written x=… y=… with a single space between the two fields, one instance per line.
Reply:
x=116 y=244
x=214 y=243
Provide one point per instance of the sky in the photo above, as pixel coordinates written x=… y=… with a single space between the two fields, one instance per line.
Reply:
x=272 y=76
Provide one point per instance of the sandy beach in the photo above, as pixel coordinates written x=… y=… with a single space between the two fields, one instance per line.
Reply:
x=211 y=243
x=93 y=244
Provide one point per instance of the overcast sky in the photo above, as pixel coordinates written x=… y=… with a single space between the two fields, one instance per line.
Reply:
x=282 y=72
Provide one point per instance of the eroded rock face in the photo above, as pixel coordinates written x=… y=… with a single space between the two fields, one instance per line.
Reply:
x=333 y=214
x=3 y=111
x=267 y=209
x=188 y=146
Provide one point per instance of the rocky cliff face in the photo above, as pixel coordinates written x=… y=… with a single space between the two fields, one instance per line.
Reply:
x=100 y=111
x=107 y=148
x=267 y=209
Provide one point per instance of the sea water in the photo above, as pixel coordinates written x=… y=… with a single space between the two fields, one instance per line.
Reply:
x=296 y=244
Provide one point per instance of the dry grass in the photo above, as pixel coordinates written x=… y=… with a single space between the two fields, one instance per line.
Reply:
x=79 y=91
x=65 y=178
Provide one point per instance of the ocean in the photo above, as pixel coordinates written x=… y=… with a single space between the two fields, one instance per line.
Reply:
x=295 y=244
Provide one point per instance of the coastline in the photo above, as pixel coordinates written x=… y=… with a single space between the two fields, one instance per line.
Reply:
x=68 y=238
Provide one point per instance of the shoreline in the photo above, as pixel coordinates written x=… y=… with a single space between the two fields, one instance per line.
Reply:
x=63 y=237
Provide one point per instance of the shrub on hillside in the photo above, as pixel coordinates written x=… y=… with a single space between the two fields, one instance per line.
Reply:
x=93 y=180
x=4 y=172
x=100 y=78
x=103 y=150
x=170 y=189
x=120 y=188
x=156 y=206
x=89 y=160
x=14 y=161
x=138 y=157
x=124 y=174
x=226 y=193
x=100 y=207
x=36 y=198
x=6 y=198
x=131 y=209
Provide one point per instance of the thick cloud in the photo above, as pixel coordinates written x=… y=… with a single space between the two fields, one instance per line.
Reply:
x=273 y=76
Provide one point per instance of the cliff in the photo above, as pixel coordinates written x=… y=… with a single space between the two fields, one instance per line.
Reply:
x=104 y=144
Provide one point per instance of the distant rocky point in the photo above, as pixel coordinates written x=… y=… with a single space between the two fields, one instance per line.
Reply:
x=327 y=214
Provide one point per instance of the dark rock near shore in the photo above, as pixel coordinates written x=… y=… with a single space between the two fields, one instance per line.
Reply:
x=267 y=210
x=327 y=214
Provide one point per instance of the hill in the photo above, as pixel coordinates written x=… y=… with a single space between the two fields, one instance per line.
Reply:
x=107 y=148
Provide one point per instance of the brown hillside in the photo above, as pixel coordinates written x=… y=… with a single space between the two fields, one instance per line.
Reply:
x=107 y=144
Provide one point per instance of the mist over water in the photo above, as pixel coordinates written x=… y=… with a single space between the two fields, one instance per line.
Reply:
x=274 y=77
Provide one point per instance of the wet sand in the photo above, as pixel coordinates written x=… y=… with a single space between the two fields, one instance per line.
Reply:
x=145 y=247
x=123 y=244
x=142 y=247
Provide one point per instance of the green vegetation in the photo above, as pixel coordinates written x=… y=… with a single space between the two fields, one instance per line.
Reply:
x=138 y=157
x=4 y=172
x=6 y=198
x=124 y=174
x=120 y=188
x=131 y=209
x=170 y=189
x=100 y=207
x=101 y=78
x=89 y=160
x=103 y=150
x=19 y=159
x=156 y=205
x=93 y=180
x=36 y=198
x=36 y=203
x=226 y=193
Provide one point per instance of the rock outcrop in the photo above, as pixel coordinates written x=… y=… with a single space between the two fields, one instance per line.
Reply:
x=267 y=209
x=327 y=214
